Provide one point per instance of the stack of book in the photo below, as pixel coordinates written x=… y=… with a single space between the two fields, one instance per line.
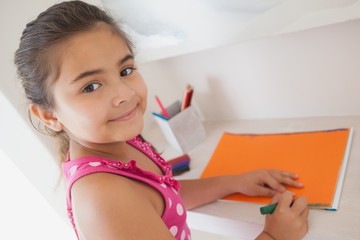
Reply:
x=180 y=164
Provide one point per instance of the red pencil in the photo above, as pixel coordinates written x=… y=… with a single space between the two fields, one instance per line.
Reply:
x=187 y=97
x=163 y=110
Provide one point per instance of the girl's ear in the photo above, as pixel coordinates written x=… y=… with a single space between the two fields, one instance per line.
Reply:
x=46 y=117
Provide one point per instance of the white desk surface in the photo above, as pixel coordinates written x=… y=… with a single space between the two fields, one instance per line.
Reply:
x=243 y=220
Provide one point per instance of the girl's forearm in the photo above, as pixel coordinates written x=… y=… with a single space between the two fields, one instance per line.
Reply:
x=198 y=192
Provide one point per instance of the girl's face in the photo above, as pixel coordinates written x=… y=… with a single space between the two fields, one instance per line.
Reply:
x=99 y=96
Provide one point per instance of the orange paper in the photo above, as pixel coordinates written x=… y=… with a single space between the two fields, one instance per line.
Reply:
x=315 y=156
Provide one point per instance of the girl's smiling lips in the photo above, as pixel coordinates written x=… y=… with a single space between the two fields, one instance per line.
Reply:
x=126 y=116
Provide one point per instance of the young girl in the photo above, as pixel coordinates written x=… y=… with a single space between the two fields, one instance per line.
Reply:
x=78 y=71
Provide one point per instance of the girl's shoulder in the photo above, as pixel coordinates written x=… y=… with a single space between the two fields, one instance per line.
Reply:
x=115 y=196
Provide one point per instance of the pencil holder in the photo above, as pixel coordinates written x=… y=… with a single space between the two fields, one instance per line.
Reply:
x=183 y=130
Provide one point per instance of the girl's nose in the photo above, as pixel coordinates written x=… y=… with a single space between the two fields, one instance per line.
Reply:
x=122 y=93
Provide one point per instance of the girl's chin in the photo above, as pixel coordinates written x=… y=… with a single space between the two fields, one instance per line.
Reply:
x=136 y=131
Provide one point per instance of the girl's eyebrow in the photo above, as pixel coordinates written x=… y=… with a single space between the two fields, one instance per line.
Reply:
x=97 y=71
x=86 y=74
x=126 y=58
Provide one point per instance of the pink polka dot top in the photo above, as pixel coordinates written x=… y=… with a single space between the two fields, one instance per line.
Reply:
x=174 y=215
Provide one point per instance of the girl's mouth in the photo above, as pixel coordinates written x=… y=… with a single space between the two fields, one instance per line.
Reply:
x=126 y=116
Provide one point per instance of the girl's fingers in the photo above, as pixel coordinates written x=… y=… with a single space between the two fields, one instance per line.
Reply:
x=265 y=191
x=289 y=174
x=276 y=198
x=292 y=183
x=273 y=183
x=300 y=205
x=287 y=178
x=305 y=215
x=285 y=200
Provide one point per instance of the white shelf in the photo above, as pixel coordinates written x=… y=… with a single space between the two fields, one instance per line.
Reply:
x=163 y=29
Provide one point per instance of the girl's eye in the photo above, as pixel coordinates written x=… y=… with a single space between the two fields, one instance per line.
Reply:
x=91 y=87
x=126 y=71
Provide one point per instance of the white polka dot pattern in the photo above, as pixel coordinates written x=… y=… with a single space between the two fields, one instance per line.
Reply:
x=179 y=209
x=94 y=164
x=175 y=191
x=72 y=170
x=170 y=203
x=174 y=230
x=183 y=234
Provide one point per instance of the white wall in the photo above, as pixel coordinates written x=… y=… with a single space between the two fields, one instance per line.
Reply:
x=308 y=73
x=25 y=214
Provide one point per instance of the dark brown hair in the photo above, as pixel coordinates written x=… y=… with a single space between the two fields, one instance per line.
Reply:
x=36 y=66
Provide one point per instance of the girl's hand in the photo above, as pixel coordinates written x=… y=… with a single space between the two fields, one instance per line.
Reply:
x=289 y=220
x=264 y=182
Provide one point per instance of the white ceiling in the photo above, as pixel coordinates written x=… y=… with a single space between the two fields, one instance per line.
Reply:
x=165 y=28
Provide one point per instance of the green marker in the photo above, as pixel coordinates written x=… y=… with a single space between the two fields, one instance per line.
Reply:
x=269 y=209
